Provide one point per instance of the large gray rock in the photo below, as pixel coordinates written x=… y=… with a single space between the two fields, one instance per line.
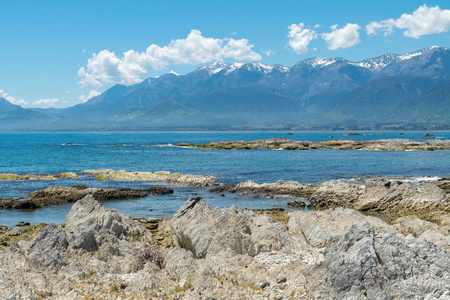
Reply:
x=321 y=228
x=364 y=265
x=204 y=230
x=47 y=249
x=440 y=235
x=89 y=226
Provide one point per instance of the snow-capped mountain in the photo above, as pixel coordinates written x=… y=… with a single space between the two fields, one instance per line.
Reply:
x=313 y=91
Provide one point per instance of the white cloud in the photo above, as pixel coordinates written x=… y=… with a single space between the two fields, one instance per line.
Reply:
x=13 y=100
x=317 y=26
x=47 y=101
x=106 y=67
x=269 y=52
x=300 y=37
x=344 y=37
x=424 y=20
x=386 y=26
x=92 y=94
x=84 y=51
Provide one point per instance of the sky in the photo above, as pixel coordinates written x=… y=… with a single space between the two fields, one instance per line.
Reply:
x=62 y=53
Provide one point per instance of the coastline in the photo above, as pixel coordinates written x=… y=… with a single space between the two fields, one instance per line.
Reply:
x=203 y=252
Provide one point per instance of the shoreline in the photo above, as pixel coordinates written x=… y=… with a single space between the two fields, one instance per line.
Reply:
x=230 y=253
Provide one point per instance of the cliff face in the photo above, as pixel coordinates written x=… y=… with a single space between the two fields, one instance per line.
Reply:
x=205 y=253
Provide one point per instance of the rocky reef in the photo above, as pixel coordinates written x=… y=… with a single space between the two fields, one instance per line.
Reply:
x=26 y=177
x=387 y=198
x=54 y=195
x=279 y=188
x=164 y=176
x=228 y=253
x=343 y=144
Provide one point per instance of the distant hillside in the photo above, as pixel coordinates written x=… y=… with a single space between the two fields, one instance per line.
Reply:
x=410 y=91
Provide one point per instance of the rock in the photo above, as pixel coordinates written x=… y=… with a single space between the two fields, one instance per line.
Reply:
x=23 y=223
x=439 y=235
x=343 y=144
x=321 y=228
x=167 y=177
x=281 y=279
x=353 y=133
x=159 y=190
x=402 y=198
x=280 y=188
x=366 y=265
x=428 y=136
x=55 y=195
x=90 y=226
x=331 y=254
x=205 y=231
x=296 y=204
x=79 y=187
x=26 y=177
x=46 y=251
x=71 y=175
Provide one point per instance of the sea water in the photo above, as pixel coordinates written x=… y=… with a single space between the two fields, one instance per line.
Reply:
x=46 y=153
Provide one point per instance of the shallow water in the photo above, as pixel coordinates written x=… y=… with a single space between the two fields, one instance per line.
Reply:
x=44 y=153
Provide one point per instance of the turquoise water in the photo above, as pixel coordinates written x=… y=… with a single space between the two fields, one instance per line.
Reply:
x=44 y=153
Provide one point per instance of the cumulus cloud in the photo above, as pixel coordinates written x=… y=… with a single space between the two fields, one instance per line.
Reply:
x=423 y=21
x=344 y=37
x=92 y=94
x=47 y=101
x=13 y=100
x=300 y=37
x=107 y=67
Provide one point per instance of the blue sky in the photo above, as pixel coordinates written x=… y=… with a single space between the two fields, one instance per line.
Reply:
x=60 y=53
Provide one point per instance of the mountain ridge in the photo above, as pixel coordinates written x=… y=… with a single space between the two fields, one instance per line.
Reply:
x=314 y=93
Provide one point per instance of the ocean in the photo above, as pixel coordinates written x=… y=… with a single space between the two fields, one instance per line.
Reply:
x=45 y=153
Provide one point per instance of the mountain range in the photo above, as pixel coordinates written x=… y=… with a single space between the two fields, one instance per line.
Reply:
x=409 y=91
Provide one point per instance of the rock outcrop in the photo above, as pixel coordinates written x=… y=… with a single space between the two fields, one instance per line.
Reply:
x=227 y=253
x=343 y=144
x=279 y=188
x=366 y=265
x=206 y=231
x=55 y=195
x=165 y=176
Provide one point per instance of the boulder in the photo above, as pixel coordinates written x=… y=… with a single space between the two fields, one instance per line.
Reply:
x=47 y=249
x=90 y=226
x=365 y=265
x=321 y=228
x=206 y=231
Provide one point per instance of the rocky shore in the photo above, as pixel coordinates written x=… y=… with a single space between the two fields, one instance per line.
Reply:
x=387 y=198
x=55 y=195
x=343 y=144
x=230 y=253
